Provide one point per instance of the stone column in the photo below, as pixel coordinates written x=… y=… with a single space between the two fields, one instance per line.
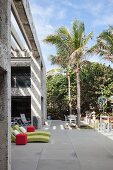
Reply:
x=36 y=89
x=5 y=87
x=43 y=93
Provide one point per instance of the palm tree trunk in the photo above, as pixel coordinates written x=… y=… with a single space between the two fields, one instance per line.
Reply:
x=78 y=95
x=69 y=94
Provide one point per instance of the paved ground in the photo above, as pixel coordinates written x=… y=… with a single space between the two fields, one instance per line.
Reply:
x=67 y=150
x=108 y=134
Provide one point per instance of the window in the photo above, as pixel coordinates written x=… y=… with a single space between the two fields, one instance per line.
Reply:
x=20 y=77
x=21 y=105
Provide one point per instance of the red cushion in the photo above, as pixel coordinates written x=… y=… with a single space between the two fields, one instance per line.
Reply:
x=21 y=139
x=30 y=128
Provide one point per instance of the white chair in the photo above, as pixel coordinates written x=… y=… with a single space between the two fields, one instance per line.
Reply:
x=72 y=119
x=24 y=120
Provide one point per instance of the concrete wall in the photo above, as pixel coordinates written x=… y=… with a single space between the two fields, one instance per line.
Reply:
x=22 y=13
x=5 y=72
x=5 y=87
x=38 y=87
x=43 y=92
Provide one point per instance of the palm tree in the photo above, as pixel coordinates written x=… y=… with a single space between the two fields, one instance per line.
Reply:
x=104 y=44
x=64 y=62
x=71 y=50
x=60 y=40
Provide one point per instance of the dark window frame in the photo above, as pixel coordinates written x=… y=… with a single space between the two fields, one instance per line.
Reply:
x=21 y=105
x=20 y=77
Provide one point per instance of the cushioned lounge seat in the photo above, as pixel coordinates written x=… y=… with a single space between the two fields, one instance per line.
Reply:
x=39 y=133
x=33 y=138
x=12 y=138
x=30 y=139
x=21 y=139
x=33 y=133
x=30 y=129
x=39 y=138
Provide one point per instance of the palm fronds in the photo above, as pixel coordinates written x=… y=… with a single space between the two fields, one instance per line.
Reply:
x=104 y=44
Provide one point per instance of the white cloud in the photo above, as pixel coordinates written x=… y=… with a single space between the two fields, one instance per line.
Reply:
x=43 y=16
x=94 y=9
x=87 y=5
x=61 y=14
x=67 y=3
x=104 y=21
x=38 y=10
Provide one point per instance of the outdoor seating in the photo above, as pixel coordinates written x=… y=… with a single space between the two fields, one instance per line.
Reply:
x=104 y=124
x=111 y=122
x=30 y=128
x=72 y=119
x=21 y=139
x=45 y=133
x=38 y=138
x=12 y=137
x=17 y=120
x=14 y=121
x=24 y=120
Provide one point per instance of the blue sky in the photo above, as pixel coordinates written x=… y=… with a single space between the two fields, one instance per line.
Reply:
x=48 y=15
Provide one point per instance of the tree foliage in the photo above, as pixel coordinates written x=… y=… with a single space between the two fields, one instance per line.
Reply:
x=57 y=94
x=104 y=44
x=71 y=49
x=95 y=77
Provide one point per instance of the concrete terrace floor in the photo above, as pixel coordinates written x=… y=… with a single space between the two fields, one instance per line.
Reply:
x=67 y=150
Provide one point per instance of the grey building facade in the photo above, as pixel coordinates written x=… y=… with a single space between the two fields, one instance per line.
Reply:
x=22 y=72
x=27 y=67
x=5 y=87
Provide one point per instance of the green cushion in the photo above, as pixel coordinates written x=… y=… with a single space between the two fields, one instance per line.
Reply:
x=39 y=138
x=12 y=130
x=16 y=127
x=44 y=133
x=13 y=138
x=33 y=133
